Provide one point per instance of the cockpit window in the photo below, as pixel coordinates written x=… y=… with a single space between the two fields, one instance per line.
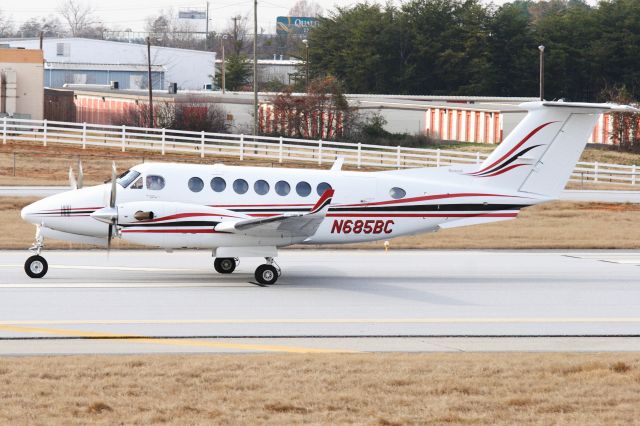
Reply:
x=137 y=184
x=127 y=177
x=155 y=182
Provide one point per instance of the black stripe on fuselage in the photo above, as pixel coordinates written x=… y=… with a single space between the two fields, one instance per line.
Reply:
x=170 y=224
x=395 y=207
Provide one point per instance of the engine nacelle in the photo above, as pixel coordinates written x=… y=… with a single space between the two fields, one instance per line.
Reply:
x=171 y=225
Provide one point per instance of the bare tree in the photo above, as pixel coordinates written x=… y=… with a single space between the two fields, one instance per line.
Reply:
x=79 y=17
x=171 y=32
x=237 y=31
x=305 y=8
x=6 y=25
x=49 y=26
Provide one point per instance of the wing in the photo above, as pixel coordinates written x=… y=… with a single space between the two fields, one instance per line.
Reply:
x=287 y=225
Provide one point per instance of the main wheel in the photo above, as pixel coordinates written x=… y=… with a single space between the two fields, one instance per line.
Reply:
x=36 y=266
x=224 y=265
x=266 y=274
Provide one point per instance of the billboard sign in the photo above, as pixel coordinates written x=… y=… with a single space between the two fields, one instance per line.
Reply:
x=192 y=14
x=294 y=24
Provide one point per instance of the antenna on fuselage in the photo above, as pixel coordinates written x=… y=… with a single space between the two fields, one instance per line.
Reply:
x=337 y=165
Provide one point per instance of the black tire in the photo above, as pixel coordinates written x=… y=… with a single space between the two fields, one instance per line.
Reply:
x=266 y=274
x=224 y=265
x=36 y=266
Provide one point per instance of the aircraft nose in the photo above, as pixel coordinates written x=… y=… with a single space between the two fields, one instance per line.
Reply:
x=28 y=213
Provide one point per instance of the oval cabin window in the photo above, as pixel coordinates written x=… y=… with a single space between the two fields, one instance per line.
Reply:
x=322 y=187
x=283 y=188
x=218 y=184
x=303 y=189
x=240 y=186
x=397 y=193
x=196 y=184
x=261 y=187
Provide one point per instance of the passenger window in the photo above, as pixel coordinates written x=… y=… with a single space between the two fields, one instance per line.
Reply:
x=196 y=184
x=240 y=186
x=218 y=184
x=261 y=187
x=283 y=188
x=155 y=182
x=303 y=189
x=397 y=193
x=137 y=184
x=322 y=187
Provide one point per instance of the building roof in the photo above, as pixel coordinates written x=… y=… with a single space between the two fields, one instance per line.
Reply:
x=103 y=67
x=95 y=40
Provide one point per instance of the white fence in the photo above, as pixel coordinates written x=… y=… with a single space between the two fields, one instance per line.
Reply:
x=271 y=148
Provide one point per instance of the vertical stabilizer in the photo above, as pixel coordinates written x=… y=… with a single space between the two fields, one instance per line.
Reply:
x=539 y=155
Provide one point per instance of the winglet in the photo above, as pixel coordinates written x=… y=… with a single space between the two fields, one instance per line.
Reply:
x=323 y=202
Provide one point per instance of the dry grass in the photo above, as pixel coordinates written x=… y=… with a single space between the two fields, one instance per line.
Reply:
x=38 y=165
x=561 y=225
x=376 y=389
x=24 y=163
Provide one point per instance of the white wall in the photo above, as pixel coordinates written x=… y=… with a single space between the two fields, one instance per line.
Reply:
x=189 y=68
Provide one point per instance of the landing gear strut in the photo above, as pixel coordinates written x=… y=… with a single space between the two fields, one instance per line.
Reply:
x=36 y=266
x=225 y=265
x=268 y=273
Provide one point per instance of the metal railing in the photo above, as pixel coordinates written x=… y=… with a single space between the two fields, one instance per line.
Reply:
x=281 y=149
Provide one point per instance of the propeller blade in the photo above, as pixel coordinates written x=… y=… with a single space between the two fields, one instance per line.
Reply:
x=112 y=199
x=109 y=238
x=72 y=179
x=80 y=175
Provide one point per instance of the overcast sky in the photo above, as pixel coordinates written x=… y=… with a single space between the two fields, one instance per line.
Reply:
x=123 y=14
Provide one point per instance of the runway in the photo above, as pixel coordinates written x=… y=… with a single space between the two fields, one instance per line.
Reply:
x=325 y=301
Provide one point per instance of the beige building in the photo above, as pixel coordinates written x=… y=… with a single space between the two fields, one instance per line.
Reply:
x=22 y=83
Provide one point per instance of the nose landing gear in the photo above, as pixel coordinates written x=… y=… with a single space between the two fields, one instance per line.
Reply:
x=36 y=266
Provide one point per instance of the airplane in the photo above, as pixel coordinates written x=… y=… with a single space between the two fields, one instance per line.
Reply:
x=239 y=211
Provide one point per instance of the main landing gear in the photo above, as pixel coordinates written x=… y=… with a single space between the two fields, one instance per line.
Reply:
x=225 y=265
x=36 y=266
x=266 y=274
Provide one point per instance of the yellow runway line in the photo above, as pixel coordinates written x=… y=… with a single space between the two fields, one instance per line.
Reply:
x=515 y=320
x=172 y=342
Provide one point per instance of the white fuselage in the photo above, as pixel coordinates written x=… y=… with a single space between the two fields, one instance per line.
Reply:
x=365 y=207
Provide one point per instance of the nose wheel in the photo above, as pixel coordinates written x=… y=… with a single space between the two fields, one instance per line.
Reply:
x=36 y=266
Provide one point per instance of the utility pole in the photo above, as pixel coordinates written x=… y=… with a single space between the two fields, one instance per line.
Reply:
x=541 y=49
x=206 y=30
x=224 y=37
x=306 y=64
x=150 y=83
x=235 y=34
x=255 y=67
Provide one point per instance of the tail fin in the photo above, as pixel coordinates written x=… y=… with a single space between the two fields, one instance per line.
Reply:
x=539 y=155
